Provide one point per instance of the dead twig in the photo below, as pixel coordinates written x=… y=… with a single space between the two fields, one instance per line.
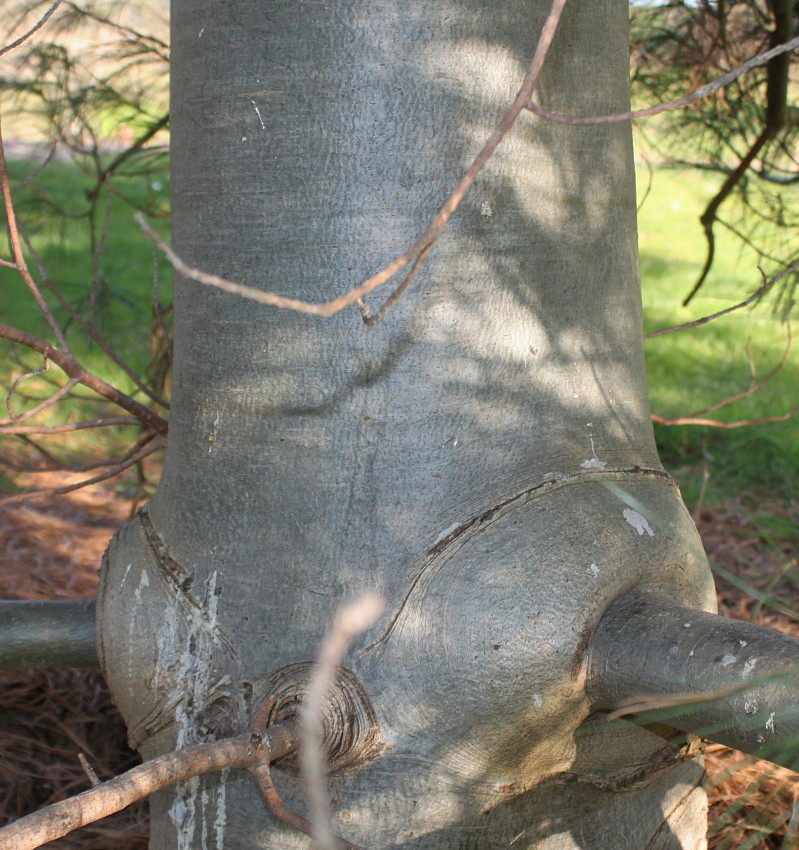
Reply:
x=67 y=363
x=67 y=428
x=679 y=103
x=755 y=296
x=350 y=620
x=19 y=257
x=118 y=793
x=43 y=405
x=54 y=465
x=111 y=473
x=696 y=418
x=37 y=26
x=715 y=423
x=422 y=245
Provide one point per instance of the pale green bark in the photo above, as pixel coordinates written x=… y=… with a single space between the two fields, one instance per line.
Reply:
x=483 y=458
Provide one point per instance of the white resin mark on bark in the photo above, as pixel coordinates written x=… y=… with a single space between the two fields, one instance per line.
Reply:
x=200 y=34
x=144 y=583
x=124 y=577
x=446 y=532
x=638 y=522
x=594 y=569
x=220 y=821
x=594 y=462
x=190 y=636
x=485 y=209
x=537 y=701
x=728 y=659
x=770 y=723
x=214 y=431
x=258 y=113
x=750 y=706
x=749 y=665
x=183 y=810
x=204 y=799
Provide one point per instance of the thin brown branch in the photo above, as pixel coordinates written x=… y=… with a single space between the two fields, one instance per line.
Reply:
x=696 y=418
x=36 y=171
x=158 y=314
x=136 y=146
x=16 y=250
x=395 y=296
x=679 y=103
x=9 y=406
x=755 y=296
x=118 y=793
x=262 y=775
x=98 y=248
x=715 y=423
x=133 y=35
x=67 y=428
x=350 y=620
x=90 y=330
x=42 y=405
x=60 y=491
x=73 y=369
x=37 y=26
x=708 y=217
x=54 y=465
x=422 y=244
x=91 y=775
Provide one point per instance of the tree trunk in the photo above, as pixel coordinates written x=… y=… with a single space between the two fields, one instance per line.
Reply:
x=483 y=457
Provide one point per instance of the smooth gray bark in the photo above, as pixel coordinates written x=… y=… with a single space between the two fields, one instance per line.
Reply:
x=483 y=458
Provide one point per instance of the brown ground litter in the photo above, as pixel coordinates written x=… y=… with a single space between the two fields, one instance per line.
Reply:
x=52 y=547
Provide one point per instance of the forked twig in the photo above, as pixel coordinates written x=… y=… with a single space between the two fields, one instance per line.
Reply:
x=130 y=460
x=679 y=103
x=67 y=363
x=16 y=250
x=42 y=405
x=422 y=245
x=755 y=296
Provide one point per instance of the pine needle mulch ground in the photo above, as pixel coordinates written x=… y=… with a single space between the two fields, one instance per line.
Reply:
x=52 y=549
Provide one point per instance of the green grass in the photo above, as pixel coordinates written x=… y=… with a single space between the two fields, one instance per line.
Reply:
x=692 y=369
x=125 y=278
x=687 y=371
x=123 y=302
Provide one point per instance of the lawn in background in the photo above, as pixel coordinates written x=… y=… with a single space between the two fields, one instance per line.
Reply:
x=692 y=369
x=687 y=371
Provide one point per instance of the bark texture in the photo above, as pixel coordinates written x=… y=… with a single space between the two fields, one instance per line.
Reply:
x=483 y=458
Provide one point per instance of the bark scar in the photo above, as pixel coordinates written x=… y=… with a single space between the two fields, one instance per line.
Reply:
x=441 y=552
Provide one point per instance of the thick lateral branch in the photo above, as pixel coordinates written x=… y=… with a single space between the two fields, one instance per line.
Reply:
x=47 y=633
x=722 y=679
